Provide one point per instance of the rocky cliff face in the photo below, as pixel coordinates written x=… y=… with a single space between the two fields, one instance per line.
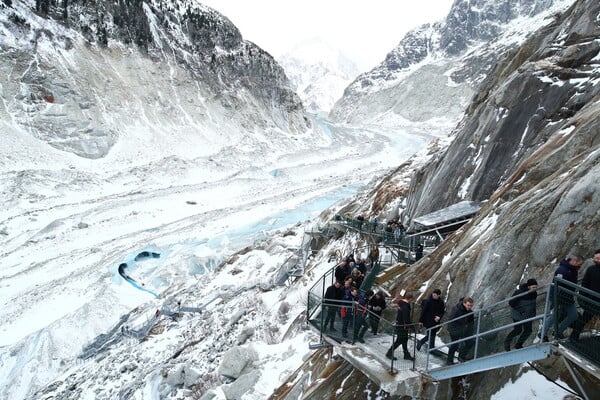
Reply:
x=529 y=145
x=527 y=102
x=436 y=68
x=80 y=74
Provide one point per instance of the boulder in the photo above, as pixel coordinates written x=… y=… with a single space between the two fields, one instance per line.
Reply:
x=236 y=361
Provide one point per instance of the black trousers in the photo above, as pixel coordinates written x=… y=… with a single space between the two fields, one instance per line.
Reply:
x=401 y=339
x=431 y=338
x=522 y=330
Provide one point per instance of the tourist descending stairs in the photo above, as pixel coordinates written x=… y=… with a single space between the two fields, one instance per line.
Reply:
x=486 y=344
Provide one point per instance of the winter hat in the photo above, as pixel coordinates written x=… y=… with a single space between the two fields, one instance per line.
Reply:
x=438 y=292
x=531 y=282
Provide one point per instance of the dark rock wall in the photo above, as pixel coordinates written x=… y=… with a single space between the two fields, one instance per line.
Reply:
x=518 y=109
x=531 y=148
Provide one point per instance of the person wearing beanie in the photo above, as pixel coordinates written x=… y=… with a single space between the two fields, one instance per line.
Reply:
x=522 y=306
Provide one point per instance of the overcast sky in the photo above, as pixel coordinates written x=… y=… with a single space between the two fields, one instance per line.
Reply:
x=364 y=30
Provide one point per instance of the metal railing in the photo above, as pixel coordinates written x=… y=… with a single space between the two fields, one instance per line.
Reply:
x=408 y=244
x=493 y=323
x=490 y=328
x=350 y=322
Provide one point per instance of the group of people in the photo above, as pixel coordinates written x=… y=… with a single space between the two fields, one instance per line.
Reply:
x=368 y=307
x=361 y=310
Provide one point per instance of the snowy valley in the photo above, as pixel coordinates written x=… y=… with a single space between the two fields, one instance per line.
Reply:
x=166 y=142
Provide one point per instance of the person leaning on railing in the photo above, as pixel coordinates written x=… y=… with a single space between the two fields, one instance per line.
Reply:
x=591 y=281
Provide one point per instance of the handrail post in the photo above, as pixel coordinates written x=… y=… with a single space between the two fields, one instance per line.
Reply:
x=477 y=334
x=392 y=350
x=323 y=316
x=556 y=313
x=354 y=310
x=546 y=312
x=428 y=350
x=414 y=361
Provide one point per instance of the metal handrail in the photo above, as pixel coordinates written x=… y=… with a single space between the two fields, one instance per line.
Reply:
x=480 y=332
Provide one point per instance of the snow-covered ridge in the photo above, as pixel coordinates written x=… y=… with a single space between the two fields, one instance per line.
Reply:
x=67 y=74
x=470 y=40
x=318 y=72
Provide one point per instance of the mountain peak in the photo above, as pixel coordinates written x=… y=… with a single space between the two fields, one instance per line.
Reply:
x=319 y=72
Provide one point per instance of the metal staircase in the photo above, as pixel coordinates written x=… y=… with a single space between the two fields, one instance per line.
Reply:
x=487 y=351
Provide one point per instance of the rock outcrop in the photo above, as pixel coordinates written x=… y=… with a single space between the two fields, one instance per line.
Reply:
x=80 y=75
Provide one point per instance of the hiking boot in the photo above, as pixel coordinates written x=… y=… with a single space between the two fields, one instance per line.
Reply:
x=332 y=329
x=361 y=340
x=507 y=346
x=545 y=339
x=390 y=355
x=519 y=346
x=448 y=362
x=407 y=356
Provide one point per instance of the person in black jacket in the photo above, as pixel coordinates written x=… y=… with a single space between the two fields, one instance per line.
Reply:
x=461 y=326
x=333 y=295
x=403 y=326
x=342 y=271
x=591 y=281
x=522 y=307
x=376 y=306
x=566 y=309
x=432 y=311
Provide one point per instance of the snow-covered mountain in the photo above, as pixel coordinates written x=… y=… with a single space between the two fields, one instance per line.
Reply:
x=197 y=168
x=67 y=71
x=529 y=148
x=318 y=72
x=140 y=127
x=436 y=68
